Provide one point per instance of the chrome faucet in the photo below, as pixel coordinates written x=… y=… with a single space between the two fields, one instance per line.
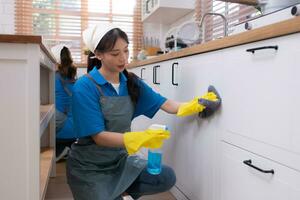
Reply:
x=217 y=14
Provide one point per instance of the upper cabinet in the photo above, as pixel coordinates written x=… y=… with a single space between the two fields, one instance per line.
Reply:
x=165 y=11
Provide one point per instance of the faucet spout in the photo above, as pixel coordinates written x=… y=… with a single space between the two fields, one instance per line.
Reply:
x=216 y=14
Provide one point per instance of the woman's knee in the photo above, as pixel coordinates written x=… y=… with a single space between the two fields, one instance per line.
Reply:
x=168 y=176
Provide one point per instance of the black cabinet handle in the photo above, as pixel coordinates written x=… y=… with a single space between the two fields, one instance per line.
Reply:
x=155 y=75
x=249 y=163
x=142 y=72
x=261 y=48
x=173 y=66
x=147 y=6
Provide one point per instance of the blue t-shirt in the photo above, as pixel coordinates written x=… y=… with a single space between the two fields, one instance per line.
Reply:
x=63 y=103
x=87 y=115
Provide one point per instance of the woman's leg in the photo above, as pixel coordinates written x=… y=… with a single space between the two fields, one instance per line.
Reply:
x=147 y=184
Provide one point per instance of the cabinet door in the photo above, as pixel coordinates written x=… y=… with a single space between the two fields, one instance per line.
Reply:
x=145 y=73
x=159 y=80
x=142 y=122
x=191 y=150
x=240 y=181
x=151 y=75
x=260 y=94
x=168 y=90
x=141 y=72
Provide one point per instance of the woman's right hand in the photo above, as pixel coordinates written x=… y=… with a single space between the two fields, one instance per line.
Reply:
x=210 y=101
x=149 y=138
x=210 y=105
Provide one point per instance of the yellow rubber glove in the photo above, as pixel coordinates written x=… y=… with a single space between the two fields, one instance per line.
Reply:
x=149 y=138
x=193 y=106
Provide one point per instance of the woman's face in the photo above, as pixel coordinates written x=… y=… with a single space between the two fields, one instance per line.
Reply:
x=116 y=59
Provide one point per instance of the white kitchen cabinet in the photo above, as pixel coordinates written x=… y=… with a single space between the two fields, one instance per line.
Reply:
x=261 y=103
x=165 y=11
x=257 y=121
x=168 y=90
x=27 y=117
x=192 y=150
x=240 y=181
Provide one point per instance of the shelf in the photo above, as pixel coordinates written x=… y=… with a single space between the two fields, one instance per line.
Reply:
x=166 y=15
x=33 y=119
x=46 y=113
x=42 y=64
x=46 y=160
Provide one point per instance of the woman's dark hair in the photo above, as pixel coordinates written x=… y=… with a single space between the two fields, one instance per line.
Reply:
x=66 y=67
x=92 y=62
x=106 y=44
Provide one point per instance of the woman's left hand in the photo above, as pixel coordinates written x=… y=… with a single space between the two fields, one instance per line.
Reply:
x=210 y=105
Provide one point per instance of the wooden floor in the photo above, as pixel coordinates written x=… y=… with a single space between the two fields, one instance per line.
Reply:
x=58 y=188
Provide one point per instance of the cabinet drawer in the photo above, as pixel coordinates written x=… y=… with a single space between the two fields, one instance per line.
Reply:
x=240 y=181
x=260 y=92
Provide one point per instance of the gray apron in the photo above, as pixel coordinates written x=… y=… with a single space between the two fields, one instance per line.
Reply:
x=104 y=173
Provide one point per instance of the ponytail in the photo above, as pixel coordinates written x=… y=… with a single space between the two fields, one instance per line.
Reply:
x=92 y=62
x=66 y=68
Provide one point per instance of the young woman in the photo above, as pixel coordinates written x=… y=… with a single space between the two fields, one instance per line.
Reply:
x=104 y=103
x=64 y=81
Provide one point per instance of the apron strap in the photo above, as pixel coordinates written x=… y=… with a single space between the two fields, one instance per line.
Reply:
x=66 y=89
x=64 y=84
x=97 y=85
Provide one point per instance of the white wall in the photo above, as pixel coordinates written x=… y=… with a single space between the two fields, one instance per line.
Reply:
x=7 y=16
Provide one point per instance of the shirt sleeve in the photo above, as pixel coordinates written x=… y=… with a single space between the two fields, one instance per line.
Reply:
x=149 y=101
x=87 y=114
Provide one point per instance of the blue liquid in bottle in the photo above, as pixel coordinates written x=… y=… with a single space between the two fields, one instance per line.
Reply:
x=154 y=162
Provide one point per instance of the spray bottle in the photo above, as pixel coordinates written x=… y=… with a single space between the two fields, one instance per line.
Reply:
x=155 y=155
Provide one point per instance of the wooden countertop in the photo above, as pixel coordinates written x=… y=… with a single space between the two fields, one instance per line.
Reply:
x=271 y=31
x=26 y=39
